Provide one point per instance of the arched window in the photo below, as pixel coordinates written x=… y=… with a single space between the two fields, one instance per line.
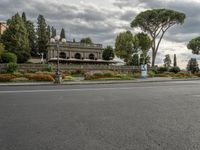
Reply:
x=62 y=55
x=77 y=56
x=91 y=56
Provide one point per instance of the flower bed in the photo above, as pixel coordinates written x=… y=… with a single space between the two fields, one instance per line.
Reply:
x=6 y=77
x=39 y=77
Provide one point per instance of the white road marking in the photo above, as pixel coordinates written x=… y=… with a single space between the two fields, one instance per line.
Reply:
x=86 y=89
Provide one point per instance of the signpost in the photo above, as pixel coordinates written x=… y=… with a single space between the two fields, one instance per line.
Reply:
x=144 y=71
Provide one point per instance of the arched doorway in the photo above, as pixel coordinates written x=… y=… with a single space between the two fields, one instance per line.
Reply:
x=77 y=56
x=91 y=56
x=62 y=55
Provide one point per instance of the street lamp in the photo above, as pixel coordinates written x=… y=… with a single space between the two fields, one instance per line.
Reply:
x=58 y=76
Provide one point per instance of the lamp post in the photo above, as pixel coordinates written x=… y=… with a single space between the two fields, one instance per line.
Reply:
x=58 y=76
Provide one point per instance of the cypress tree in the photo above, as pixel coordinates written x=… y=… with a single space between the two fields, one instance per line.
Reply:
x=15 y=38
x=62 y=34
x=42 y=39
x=53 y=32
x=31 y=34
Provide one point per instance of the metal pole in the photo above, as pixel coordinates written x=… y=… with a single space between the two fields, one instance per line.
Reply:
x=58 y=78
x=57 y=58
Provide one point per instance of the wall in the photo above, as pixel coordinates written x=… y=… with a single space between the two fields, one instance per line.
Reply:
x=44 y=67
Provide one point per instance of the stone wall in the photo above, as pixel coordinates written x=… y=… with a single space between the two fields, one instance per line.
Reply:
x=45 y=67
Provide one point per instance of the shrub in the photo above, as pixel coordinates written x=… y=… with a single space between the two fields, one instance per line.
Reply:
x=174 y=69
x=137 y=75
x=91 y=75
x=6 y=77
x=151 y=73
x=40 y=77
x=23 y=57
x=183 y=75
x=8 y=57
x=12 y=67
x=20 y=79
x=163 y=69
x=68 y=78
x=49 y=68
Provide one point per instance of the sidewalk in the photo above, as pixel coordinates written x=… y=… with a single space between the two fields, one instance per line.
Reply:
x=157 y=79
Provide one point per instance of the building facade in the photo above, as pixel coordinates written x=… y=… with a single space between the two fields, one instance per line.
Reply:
x=3 y=27
x=76 y=52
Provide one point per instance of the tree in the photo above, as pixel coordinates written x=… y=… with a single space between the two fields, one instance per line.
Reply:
x=108 y=53
x=2 y=48
x=49 y=32
x=53 y=32
x=15 y=38
x=156 y=22
x=135 y=60
x=74 y=40
x=144 y=59
x=124 y=46
x=86 y=40
x=194 y=45
x=31 y=34
x=62 y=34
x=144 y=44
x=167 y=61
x=42 y=39
x=193 y=65
x=175 y=61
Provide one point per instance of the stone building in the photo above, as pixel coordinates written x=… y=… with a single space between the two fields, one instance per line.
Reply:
x=76 y=52
x=3 y=27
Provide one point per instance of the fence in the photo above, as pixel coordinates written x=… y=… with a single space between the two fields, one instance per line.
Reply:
x=46 y=67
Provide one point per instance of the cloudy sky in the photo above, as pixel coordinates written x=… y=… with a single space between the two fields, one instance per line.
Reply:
x=102 y=20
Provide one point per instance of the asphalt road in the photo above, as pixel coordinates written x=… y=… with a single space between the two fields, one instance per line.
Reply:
x=139 y=116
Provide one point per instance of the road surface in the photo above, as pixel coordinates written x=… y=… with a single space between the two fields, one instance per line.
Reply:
x=136 y=116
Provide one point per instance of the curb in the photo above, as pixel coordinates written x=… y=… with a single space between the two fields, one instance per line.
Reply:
x=95 y=82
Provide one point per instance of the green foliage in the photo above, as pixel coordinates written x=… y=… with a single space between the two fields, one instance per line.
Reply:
x=175 y=69
x=86 y=40
x=68 y=78
x=32 y=38
x=53 y=32
x=135 y=60
x=8 y=57
x=156 y=22
x=124 y=46
x=194 y=45
x=144 y=44
x=42 y=33
x=12 y=67
x=163 y=69
x=193 y=65
x=62 y=34
x=144 y=59
x=167 y=61
x=2 y=48
x=108 y=53
x=15 y=38
x=151 y=73
x=23 y=56
x=49 y=68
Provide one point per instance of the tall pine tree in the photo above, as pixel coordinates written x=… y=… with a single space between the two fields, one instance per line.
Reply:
x=42 y=39
x=62 y=34
x=15 y=38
